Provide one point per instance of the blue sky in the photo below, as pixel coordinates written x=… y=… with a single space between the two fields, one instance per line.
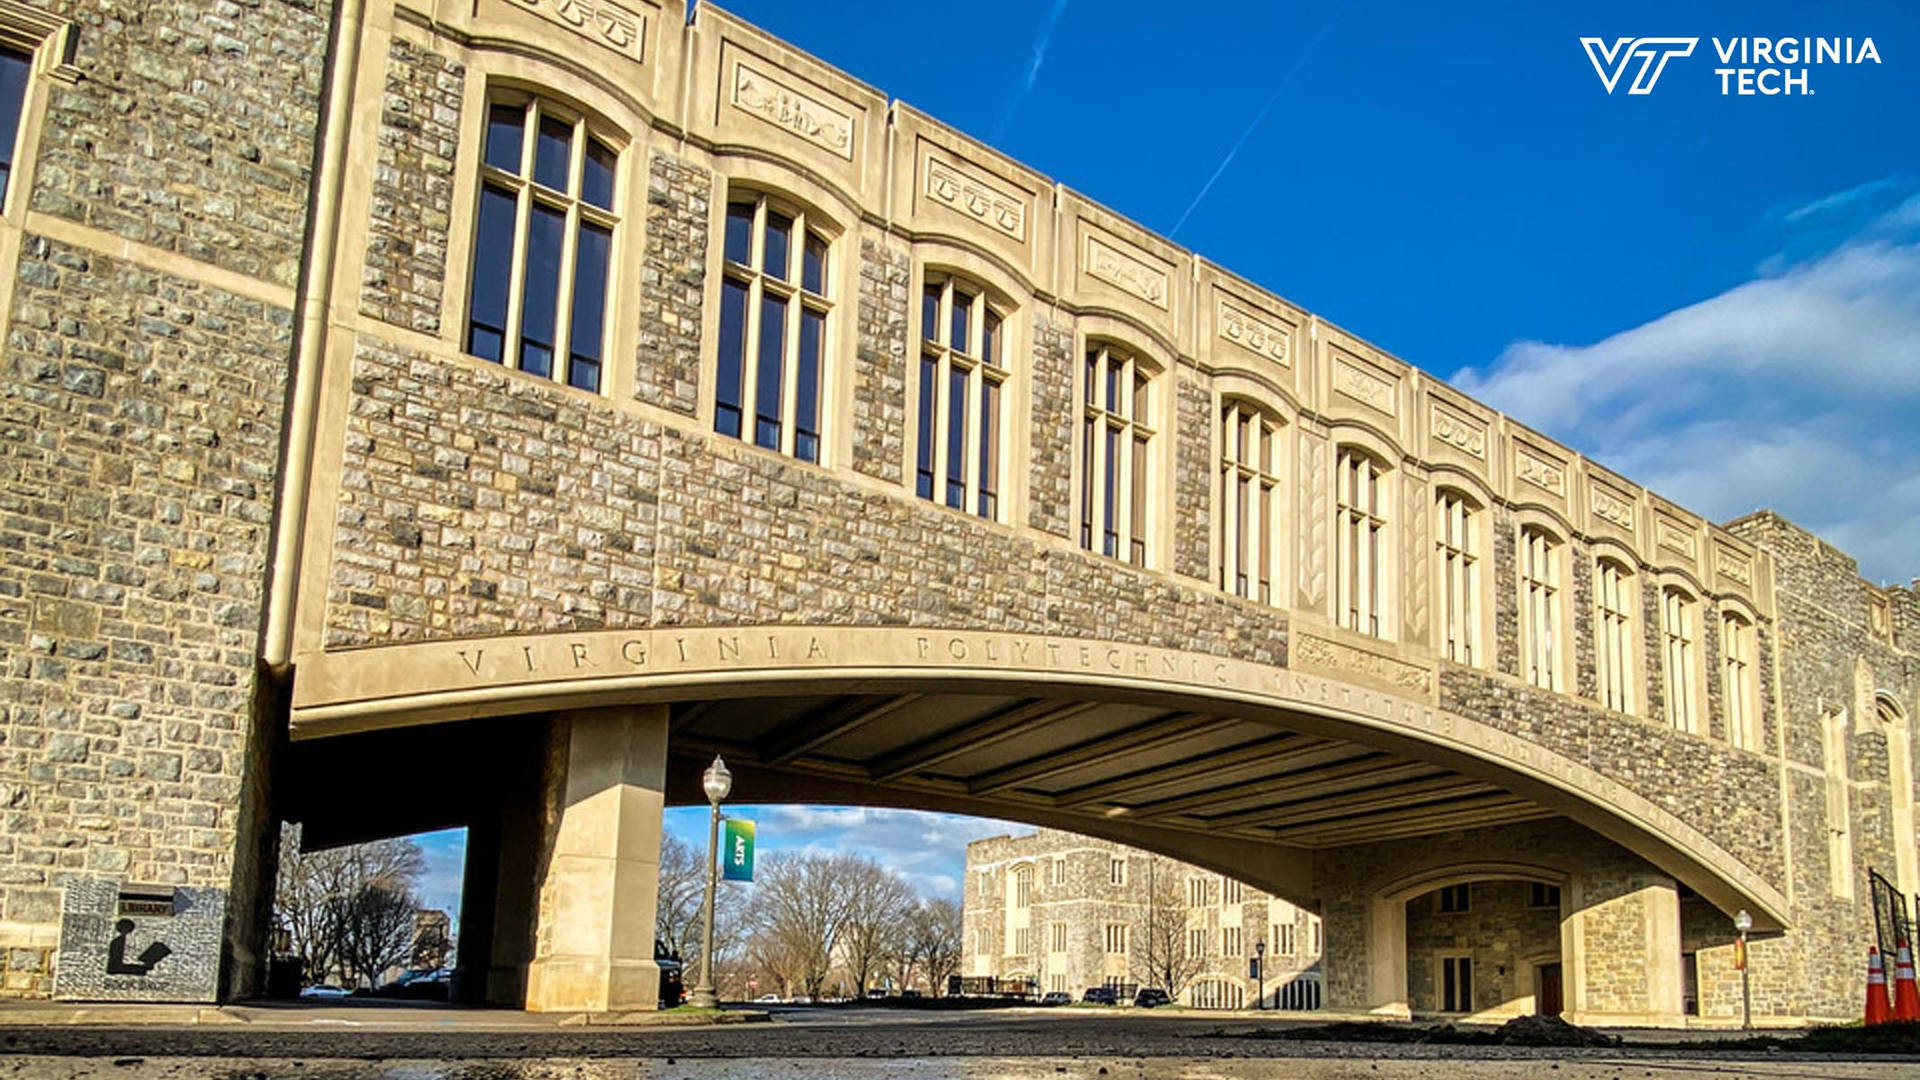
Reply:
x=1717 y=296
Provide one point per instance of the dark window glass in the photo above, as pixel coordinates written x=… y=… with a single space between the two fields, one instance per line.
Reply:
x=767 y=384
x=813 y=265
x=492 y=271
x=1139 y=398
x=930 y=313
x=596 y=181
x=505 y=128
x=989 y=448
x=929 y=389
x=962 y=320
x=1093 y=369
x=779 y=239
x=1113 y=384
x=990 y=343
x=733 y=344
x=551 y=153
x=1086 y=483
x=14 y=69
x=740 y=233
x=540 y=293
x=957 y=439
x=589 y=305
x=806 y=403
x=1111 y=522
x=1138 y=523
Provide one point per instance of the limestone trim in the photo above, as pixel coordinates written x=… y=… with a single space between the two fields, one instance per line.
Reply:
x=347 y=691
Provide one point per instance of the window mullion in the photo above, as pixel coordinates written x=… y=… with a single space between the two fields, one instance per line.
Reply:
x=517 y=282
x=790 y=368
x=750 y=361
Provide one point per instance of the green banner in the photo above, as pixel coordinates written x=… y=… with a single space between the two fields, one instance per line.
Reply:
x=736 y=854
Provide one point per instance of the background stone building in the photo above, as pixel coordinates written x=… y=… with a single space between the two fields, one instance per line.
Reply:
x=308 y=462
x=1071 y=912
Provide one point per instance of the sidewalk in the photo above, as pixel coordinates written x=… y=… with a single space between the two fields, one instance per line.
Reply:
x=293 y=1016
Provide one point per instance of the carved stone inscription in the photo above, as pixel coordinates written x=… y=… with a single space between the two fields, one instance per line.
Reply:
x=1319 y=654
x=800 y=112
x=599 y=21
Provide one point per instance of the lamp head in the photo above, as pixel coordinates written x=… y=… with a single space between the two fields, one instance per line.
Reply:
x=717 y=781
x=1742 y=921
x=1259 y=948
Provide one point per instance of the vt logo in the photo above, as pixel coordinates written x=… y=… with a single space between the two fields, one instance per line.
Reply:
x=1654 y=52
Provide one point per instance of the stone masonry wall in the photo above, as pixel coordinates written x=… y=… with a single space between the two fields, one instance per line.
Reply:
x=192 y=128
x=405 y=276
x=1500 y=930
x=1050 y=487
x=672 y=282
x=880 y=369
x=1192 y=477
x=141 y=421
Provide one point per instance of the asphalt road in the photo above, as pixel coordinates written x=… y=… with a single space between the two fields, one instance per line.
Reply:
x=865 y=1044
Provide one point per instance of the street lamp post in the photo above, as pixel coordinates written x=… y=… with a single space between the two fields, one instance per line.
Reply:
x=1743 y=922
x=718 y=782
x=1260 y=972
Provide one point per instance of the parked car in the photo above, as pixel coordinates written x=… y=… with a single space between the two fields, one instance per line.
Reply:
x=910 y=992
x=325 y=992
x=1149 y=997
x=1099 y=995
x=768 y=999
x=1057 y=997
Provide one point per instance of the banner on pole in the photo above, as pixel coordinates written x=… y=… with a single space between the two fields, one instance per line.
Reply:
x=736 y=859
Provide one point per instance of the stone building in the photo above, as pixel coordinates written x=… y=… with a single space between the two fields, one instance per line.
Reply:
x=1065 y=913
x=566 y=393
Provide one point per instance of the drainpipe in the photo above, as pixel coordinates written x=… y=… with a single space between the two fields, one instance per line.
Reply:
x=311 y=336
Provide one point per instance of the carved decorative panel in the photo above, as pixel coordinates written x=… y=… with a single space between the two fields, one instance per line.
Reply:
x=1312 y=508
x=1733 y=566
x=1610 y=507
x=1126 y=272
x=1319 y=654
x=1674 y=537
x=600 y=21
x=804 y=113
x=1363 y=386
x=1539 y=472
x=973 y=197
x=1467 y=436
x=1237 y=324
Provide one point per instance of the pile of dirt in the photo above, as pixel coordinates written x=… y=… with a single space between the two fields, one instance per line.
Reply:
x=1550 y=1031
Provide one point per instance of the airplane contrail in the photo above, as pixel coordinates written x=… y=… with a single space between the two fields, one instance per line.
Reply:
x=1272 y=99
x=1033 y=68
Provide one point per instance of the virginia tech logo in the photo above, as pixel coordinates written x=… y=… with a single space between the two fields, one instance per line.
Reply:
x=1653 y=53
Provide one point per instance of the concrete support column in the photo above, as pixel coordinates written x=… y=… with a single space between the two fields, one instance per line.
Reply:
x=1622 y=944
x=1364 y=965
x=593 y=942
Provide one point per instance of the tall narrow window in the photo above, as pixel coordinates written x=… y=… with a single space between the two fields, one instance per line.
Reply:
x=1249 y=476
x=1736 y=680
x=1677 y=629
x=773 y=328
x=543 y=245
x=962 y=371
x=1540 y=607
x=1613 y=632
x=15 y=69
x=1457 y=585
x=1359 y=525
x=1116 y=441
x=1456 y=984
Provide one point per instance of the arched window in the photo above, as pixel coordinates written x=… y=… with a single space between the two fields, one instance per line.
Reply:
x=1249 y=475
x=1360 y=524
x=1540 y=607
x=1885 y=709
x=1677 y=626
x=774 y=306
x=543 y=244
x=1115 y=454
x=1457 y=576
x=962 y=370
x=1736 y=681
x=1613 y=633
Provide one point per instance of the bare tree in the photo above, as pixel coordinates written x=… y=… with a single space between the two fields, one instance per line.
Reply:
x=801 y=905
x=1164 y=960
x=880 y=908
x=376 y=929
x=683 y=883
x=316 y=893
x=935 y=933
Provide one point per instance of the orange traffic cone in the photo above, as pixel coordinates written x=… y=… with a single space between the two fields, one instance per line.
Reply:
x=1878 y=1011
x=1906 y=995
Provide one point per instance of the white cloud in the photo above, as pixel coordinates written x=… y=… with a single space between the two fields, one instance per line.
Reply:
x=1794 y=391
